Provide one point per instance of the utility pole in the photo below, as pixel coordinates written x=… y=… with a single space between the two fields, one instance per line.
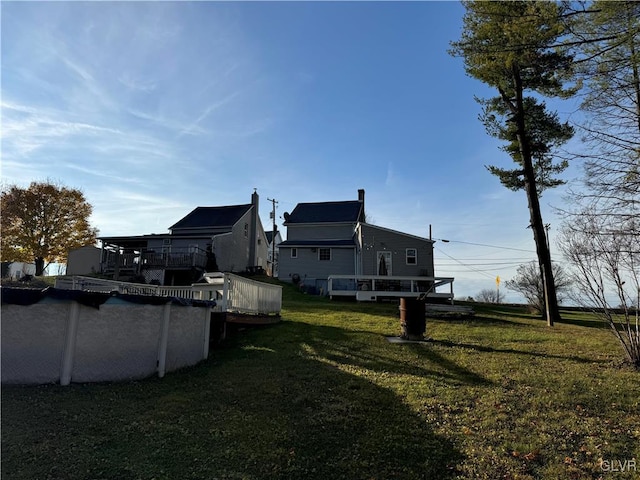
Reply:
x=274 y=202
x=547 y=226
x=545 y=291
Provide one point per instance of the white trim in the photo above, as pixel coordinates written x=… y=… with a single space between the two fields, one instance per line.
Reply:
x=414 y=256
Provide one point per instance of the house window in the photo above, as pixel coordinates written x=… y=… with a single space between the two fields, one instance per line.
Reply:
x=294 y=253
x=412 y=256
x=324 y=254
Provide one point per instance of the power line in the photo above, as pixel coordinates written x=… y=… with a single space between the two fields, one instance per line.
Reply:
x=486 y=245
x=502 y=259
x=466 y=269
x=467 y=266
x=489 y=264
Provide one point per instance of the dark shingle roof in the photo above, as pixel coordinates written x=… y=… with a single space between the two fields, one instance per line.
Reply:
x=203 y=217
x=269 y=235
x=326 y=212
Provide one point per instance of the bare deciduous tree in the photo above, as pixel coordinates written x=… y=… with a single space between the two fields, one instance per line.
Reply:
x=607 y=55
x=607 y=276
x=601 y=236
x=528 y=282
x=489 y=295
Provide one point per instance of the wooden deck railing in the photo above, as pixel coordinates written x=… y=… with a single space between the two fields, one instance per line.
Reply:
x=136 y=262
x=370 y=287
x=243 y=295
x=232 y=293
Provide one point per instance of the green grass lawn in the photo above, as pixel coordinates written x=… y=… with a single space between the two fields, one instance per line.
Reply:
x=324 y=395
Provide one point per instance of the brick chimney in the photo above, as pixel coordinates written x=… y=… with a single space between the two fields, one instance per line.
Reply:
x=253 y=228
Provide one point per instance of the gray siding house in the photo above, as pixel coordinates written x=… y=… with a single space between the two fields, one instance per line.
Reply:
x=229 y=239
x=333 y=238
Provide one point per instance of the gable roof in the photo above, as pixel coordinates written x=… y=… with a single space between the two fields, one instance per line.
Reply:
x=206 y=217
x=269 y=235
x=325 y=212
x=396 y=232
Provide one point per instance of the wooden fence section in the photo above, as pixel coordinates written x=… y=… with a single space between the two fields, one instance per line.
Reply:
x=232 y=293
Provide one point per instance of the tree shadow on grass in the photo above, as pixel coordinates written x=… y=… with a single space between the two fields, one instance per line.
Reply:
x=478 y=320
x=276 y=403
x=370 y=351
x=483 y=348
x=597 y=323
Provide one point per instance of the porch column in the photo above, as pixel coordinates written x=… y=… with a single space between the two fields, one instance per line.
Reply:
x=116 y=268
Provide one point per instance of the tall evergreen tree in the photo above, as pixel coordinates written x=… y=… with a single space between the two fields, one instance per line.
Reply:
x=512 y=47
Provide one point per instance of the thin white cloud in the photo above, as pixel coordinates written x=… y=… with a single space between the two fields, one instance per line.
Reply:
x=194 y=127
x=75 y=67
x=121 y=211
x=391 y=177
x=158 y=120
x=26 y=129
x=103 y=174
x=132 y=83
x=499 y=194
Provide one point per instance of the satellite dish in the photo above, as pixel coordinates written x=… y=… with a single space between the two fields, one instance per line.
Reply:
x=286 y=216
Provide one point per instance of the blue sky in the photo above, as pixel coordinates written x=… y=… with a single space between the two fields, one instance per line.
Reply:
x=154 y=108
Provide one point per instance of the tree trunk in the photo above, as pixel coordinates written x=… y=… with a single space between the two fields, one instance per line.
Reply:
x=537 y=225
x=39 y=261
